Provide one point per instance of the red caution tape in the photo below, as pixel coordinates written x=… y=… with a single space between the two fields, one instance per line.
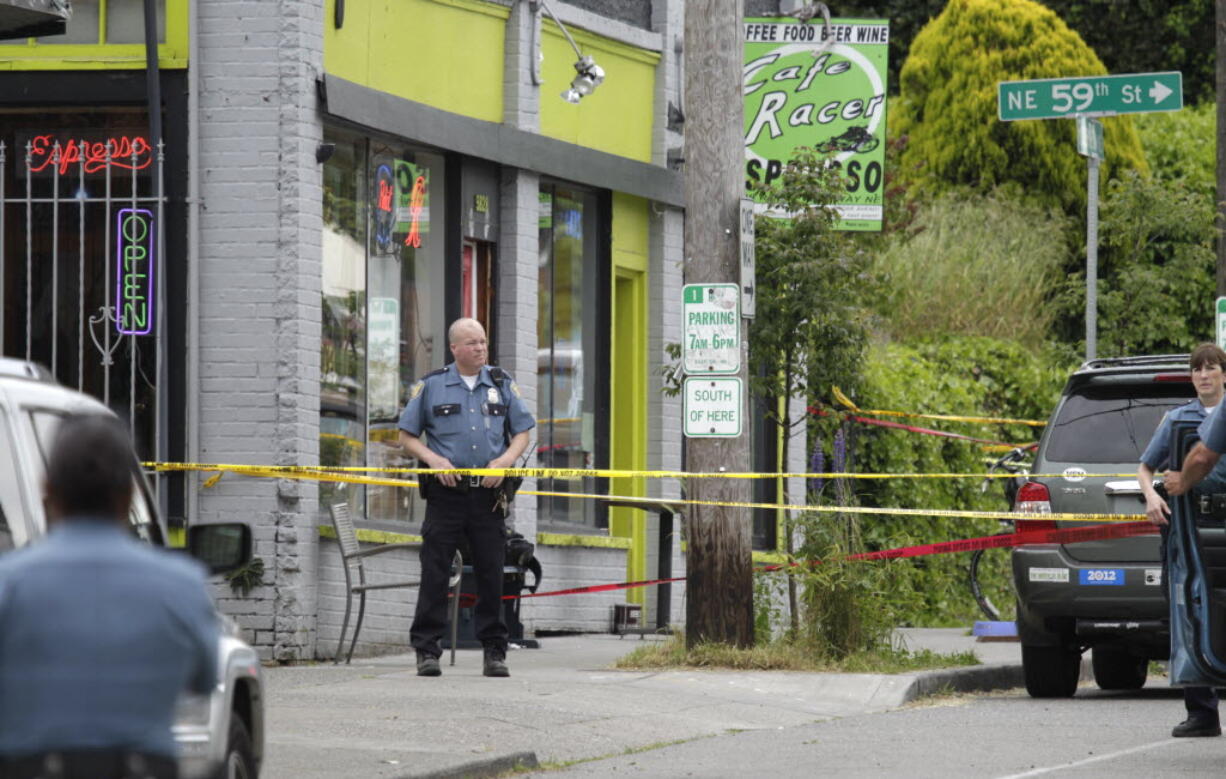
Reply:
x=916 y=429
x=1064 y=536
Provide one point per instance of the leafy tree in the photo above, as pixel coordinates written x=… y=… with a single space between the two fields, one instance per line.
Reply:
x=1182 y=145
x=948 y=105
x=1137 y=36
x=1156 y=275
x=810 y=327
x=1142 y=36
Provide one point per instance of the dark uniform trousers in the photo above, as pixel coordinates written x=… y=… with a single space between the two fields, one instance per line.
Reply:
x=452 y=515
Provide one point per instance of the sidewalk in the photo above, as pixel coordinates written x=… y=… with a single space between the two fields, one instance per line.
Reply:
x=376 y=718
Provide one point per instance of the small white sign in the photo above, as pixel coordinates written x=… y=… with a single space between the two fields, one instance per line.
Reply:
x=1221 y=323
x=1049 y=575
x=711 y=322
x=748 y=259
x=1153 y=576
x=712 y=407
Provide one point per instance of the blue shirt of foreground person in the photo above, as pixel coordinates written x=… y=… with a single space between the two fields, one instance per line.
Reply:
x=1202 y=460
x=99 y=633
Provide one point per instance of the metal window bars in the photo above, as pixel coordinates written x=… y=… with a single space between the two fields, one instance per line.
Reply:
x=50 y=169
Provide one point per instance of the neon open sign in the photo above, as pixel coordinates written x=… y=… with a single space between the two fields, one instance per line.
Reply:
x=134 y=258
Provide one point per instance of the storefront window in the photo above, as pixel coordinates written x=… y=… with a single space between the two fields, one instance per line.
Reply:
x=342 y=392
x=384 y=322
x=407 y=322
x=69 y=211
x=566 y=360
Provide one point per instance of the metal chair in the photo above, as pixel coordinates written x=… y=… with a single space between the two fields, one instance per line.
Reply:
x=352 y=557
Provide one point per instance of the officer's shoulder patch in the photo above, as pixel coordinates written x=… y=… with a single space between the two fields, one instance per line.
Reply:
x=515 y=390
x=416 y=389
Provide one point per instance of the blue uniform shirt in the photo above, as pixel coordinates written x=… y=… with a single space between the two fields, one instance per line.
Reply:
x=99 y=634
x=1157 y=454
x=465 y=426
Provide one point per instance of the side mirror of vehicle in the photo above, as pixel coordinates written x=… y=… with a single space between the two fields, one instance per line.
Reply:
x=221 y=547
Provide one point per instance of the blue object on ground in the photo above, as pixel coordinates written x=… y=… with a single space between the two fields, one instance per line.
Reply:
x=984 y=629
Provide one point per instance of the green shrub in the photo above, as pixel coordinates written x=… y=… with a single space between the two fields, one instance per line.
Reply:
x=1182 y=146
x=1156 y=269
x=968 y=376
x=974 y=265
x=948 y=105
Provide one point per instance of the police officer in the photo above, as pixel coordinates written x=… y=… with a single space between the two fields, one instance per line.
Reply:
x=99 y=633
x=1208 y=366
x=473 y=417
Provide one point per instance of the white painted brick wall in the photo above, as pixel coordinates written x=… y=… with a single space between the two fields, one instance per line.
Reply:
x=260 y=300
x=518 y=309
x=564 y=567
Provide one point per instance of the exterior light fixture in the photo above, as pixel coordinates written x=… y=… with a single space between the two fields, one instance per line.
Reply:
x=588 y=75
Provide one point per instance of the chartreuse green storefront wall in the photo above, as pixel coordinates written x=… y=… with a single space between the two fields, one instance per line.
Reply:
x=444 y=53
x=617 y=118
x=628 y=364
x=32 y=54
x=449 y=54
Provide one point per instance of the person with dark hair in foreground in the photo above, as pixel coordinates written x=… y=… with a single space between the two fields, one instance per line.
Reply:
x=99 y=633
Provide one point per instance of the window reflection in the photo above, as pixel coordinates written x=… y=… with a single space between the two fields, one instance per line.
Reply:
x=566 y=396
x=383 y=319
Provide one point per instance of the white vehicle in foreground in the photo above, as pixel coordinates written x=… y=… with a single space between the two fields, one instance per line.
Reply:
x=220 y=732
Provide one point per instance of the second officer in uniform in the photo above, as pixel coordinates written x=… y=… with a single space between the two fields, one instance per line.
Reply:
x=471 y=416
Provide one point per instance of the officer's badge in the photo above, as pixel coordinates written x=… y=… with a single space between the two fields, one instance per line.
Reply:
x=416 y=389
x=493 y=395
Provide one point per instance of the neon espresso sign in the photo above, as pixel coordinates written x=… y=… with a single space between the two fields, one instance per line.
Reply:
x=134 y=258
x=127 y=152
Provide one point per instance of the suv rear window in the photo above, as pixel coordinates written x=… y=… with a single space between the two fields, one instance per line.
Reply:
x=1110 y=424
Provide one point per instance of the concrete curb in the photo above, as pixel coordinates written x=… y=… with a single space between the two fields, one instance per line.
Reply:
x=976 y=678
x=478 y=769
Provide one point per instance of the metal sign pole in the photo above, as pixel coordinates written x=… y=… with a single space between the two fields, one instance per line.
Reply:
x=1092 y=260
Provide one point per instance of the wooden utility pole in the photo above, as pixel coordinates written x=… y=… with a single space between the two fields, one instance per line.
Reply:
x=1220 y=74
x=719 y=568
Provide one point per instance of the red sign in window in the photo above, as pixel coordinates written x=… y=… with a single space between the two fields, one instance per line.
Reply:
x=63 y=153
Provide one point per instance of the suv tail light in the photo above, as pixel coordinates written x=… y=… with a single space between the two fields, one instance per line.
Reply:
x=1033 y=498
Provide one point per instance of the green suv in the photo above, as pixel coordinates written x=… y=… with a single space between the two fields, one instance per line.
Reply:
x=1106 y=595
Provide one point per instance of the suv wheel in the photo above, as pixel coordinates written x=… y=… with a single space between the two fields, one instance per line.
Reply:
x=1115 y=669
x=240 y=762
x=1050 y=671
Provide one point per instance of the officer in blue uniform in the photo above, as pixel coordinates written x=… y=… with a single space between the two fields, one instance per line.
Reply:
x=472 y=416
x=1208 y=365
x=99 y=632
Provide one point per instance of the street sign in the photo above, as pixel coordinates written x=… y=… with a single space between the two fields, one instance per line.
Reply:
x=711 y=322
x=1058 y=98
x=748 y=259
x=712 y=407
x=1089 y=137
x=1221 y=323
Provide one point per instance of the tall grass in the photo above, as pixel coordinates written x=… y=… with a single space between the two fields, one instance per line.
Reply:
x=974 y=265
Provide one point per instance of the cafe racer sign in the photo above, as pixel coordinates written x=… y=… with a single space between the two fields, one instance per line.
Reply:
x=809 y=84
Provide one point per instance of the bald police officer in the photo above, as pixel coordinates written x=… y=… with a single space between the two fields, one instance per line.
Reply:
x=472 y=416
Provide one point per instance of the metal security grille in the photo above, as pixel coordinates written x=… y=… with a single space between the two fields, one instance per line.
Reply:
x=81 y=255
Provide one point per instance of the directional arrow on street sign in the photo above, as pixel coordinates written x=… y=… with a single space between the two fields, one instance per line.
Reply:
x=1058 y=98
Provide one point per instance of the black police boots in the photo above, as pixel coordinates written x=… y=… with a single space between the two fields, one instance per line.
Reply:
x=496 y=662
x=1197 y=727
x=427 y=665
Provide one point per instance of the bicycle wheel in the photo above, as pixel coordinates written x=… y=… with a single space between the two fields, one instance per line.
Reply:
x=986 y=606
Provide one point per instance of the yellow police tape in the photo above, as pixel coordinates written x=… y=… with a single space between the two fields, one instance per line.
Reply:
x=304 y=473
x=846 y=401
x=602 y=473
